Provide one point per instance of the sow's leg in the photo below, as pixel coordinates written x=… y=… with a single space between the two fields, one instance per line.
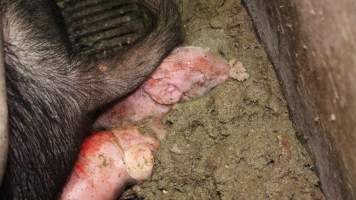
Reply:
x=52 y=88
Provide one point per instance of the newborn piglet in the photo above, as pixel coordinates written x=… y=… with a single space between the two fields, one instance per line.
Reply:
x=189 y=72
x=110 y=160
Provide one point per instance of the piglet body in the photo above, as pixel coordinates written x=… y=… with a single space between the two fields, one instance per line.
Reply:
x=189 y=72
x=110 y=160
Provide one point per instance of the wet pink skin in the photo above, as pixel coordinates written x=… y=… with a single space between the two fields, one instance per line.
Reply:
x=110 y=160
x=103 y=168
x=189 y=72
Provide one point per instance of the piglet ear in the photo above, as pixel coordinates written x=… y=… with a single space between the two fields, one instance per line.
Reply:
x=162 y=91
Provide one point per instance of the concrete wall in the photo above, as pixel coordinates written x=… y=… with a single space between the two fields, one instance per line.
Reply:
x=312 y=45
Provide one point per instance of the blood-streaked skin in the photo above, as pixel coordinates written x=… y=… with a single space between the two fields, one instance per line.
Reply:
x=189 y=72
x=112 y=159
x=108 y=161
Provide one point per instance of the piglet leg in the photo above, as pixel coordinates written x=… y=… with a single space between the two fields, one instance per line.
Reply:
x=108 y=162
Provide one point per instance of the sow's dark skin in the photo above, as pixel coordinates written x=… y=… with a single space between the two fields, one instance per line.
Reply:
x=51 y=93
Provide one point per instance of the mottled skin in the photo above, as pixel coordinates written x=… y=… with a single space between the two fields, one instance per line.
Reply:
x=51 y=94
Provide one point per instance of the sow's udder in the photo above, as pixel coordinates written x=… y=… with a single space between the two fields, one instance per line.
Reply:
x=110 y=160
